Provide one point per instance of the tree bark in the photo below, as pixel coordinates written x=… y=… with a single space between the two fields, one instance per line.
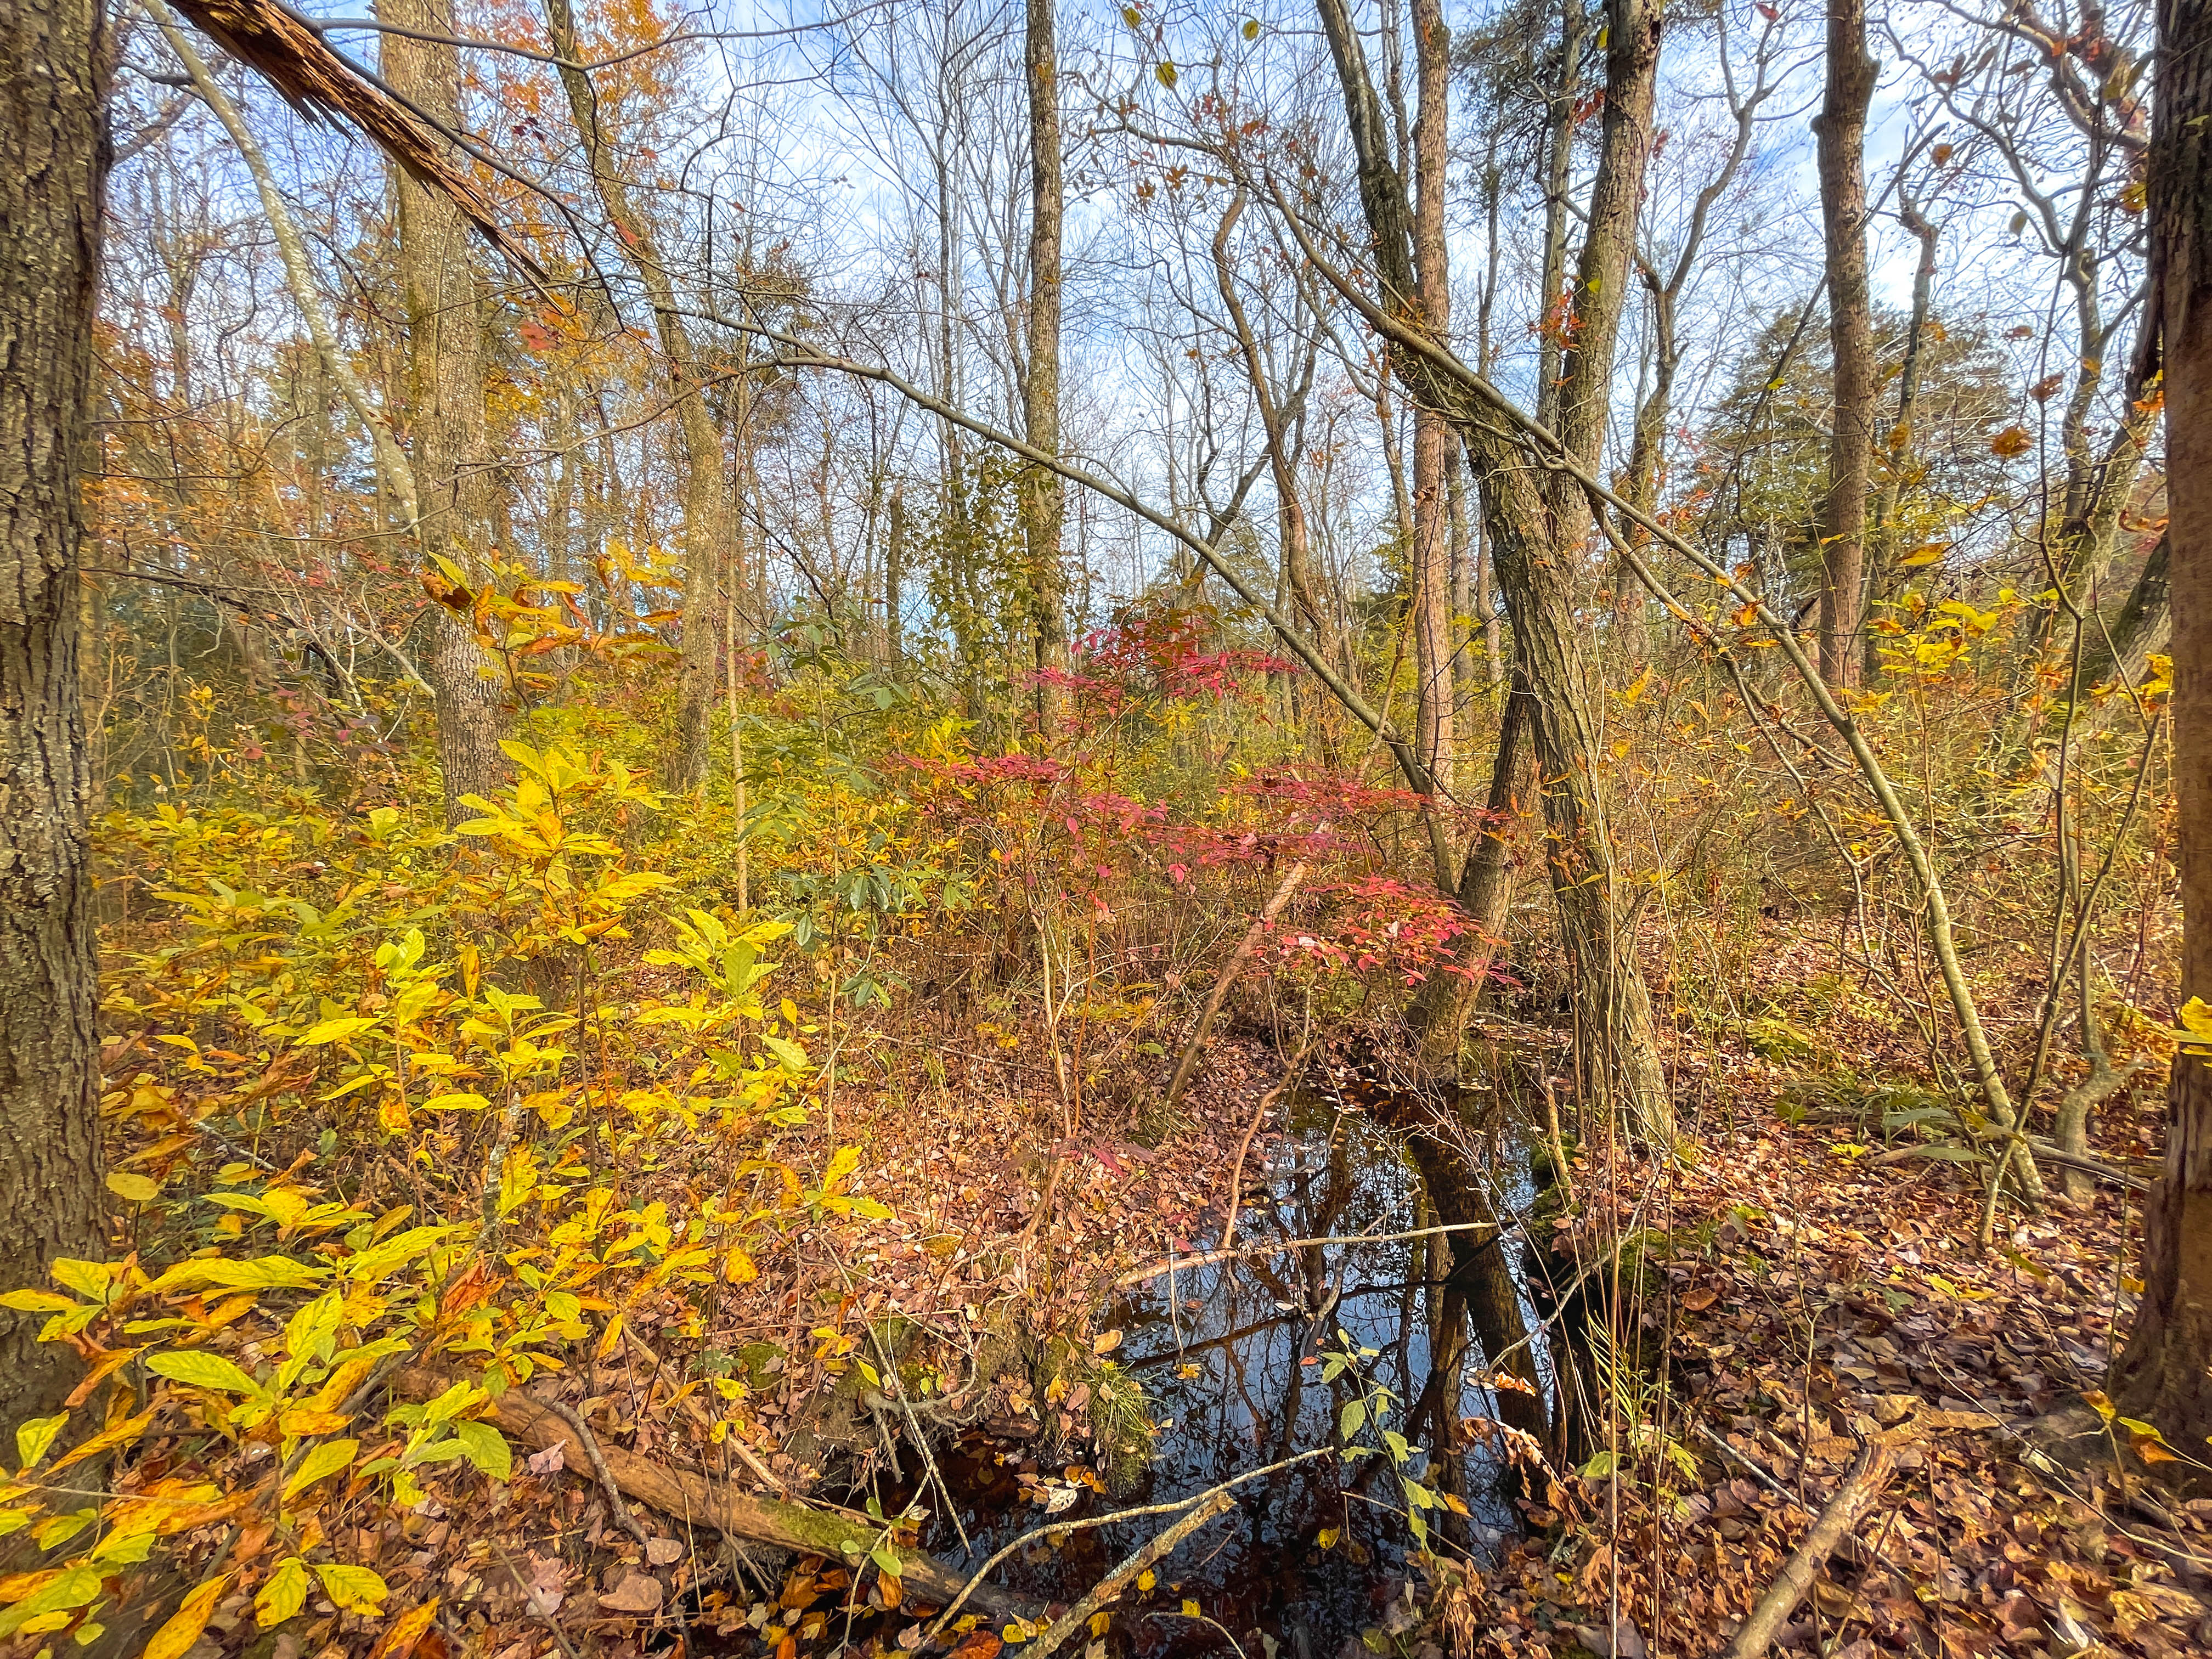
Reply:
x=54 y=59
x=1434 y=730
x=1535 y=530
x=2163 y=1378
x=446 y=415
x=706 y=493
x=1044 y=499
x=1440 y=1009
x=1841 y=130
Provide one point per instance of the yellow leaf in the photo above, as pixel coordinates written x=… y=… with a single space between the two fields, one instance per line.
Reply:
x=355 y=1589
x=284 y=1594
x=122 y=1434
x=1328 y=1536
x=1101 y=1622
x=738 y=1268
x=1190 y=1609
x=326 y=1459
x=1165 y=73
x=612 y=1339
x=190 y=1619
x=1927 y=553
x=138 y=1188
x=1146 y=1579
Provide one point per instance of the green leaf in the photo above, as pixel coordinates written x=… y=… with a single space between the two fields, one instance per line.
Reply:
x=34 y=1437
x=485 y=1447
x=325 y=1460
x=1353 y=1419
x=1600 y=1466
x=72 y=1589
x=355 y=1589
x=203 y=1371
x=1251 y=28
x=1164 y=73
x=264 y=1273
x=284 y=1594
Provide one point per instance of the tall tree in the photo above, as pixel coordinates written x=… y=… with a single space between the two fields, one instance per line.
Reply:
x=1536 y=530
x=444 y=402
x=2165 y=1379
x=1841 y=130
x=1044 y=503
x=1431 y=547
x=53 y=64
x=705 y=491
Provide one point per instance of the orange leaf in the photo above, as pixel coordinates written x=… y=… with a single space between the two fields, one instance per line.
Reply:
x=399 y=1642
x=190 y=1619
x=2012 y=442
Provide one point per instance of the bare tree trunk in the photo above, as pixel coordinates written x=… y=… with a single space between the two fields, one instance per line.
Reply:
x=2163 y=1377
x=445 y=415
x=895 y=575
x=1440 y=1009
x=1559 y=168
x=54 y=59
x=705 y=494
x=1044 y=500
x=1430 y=555
x=1881 y=568
x=1841 y=129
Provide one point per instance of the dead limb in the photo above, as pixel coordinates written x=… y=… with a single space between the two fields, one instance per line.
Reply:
x=1187 y=1062
x=1077 y=1617
x=1055 y=1528
x=1275 y=1247
x=582 y=1433
x=1853 y=1499
x=695 y=1498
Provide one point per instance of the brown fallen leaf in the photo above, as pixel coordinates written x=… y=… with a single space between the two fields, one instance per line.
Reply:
x=639 y=1593
x=662 y=1551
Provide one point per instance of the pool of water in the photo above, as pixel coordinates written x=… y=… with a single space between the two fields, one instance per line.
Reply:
x=1230 y=1355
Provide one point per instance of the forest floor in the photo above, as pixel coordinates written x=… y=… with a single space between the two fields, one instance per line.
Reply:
x=1807 y=1292
x=1796 y=1289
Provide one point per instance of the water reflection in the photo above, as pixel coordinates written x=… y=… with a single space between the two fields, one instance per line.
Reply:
x=1229 y=1354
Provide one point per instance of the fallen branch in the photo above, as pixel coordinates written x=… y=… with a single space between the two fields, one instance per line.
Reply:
x=1207 y=1258
x=1061 y=1528
x=697 y=1499
x=1872 y=1473
x=1077 y=1617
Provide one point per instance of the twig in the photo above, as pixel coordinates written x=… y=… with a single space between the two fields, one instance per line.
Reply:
x=1110 y=1586
x=530 y=1600
x=1091 y=1520
x=590 y=1443
x=1236 y=1170
x=1206 y=1258
x=1876 y=1464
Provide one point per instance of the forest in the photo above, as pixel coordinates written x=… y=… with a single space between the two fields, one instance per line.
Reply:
x=833 y=828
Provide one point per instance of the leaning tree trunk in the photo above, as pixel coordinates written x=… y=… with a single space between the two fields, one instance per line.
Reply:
x=1841 y=129
x=2164 y=1380
x=445 y=416
x=1535 y=532
x=52 y=82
